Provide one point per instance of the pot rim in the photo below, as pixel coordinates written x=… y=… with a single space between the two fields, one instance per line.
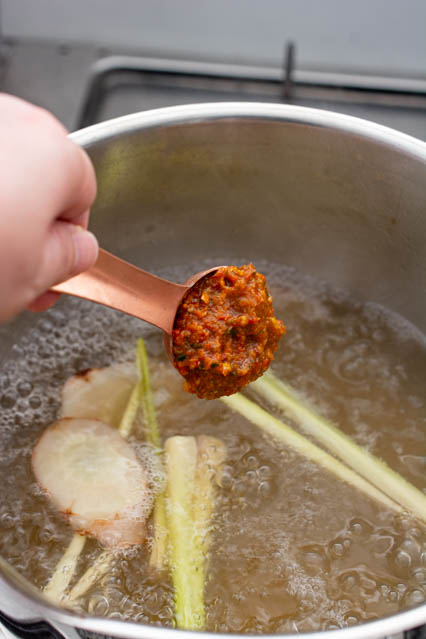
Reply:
x=61 y=619
x=211 y=111
x=13 y=585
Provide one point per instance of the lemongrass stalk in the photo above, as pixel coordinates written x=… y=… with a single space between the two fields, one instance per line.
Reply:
x=58 y=583
x=158 y=558
x=186 y=556
x=360 y=460
x=65 y=568
x=129 y=416
x=210 y=456
x=151 y=426
x=286 y=435
x=93 y=574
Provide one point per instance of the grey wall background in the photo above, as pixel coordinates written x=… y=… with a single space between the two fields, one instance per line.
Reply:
x=382 y=36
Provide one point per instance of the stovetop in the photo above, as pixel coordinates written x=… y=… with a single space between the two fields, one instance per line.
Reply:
x=84 y=84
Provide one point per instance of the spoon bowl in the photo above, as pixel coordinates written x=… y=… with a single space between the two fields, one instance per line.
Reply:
x=124 y=287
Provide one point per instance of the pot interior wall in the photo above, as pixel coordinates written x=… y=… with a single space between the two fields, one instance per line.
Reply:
x=338 y=206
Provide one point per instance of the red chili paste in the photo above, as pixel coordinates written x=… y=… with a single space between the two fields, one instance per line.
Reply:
x=225 y=332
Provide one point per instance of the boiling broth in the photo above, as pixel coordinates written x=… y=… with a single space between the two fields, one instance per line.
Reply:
x=293 y=549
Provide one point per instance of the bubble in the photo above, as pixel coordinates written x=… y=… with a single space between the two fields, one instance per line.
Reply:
x=46 y=536
x=142 y=618
x=404 y=523
x=226 y=480
x=420 y=576
x=7 y=400
x=251 y=477
x=114 y=595
x=360 y=527
x=349 y=581
x=98 y=605
x=414 y=597
x=153 y=603
x=368 y=585
x=35 y=401
x=392 y=596
x=315 y=559
x=352 y=619
x=338 y=550
x=402 y=561
x=24 y=388
x=117 y=615
x=383 y=544
x=339 y=547
x=239 y=487
x=4 y=381
x=264 y=488
x=45 y=351
x=7 y=521
x=415 y=532
x=251 y=461
x=331 y=625
x=264 y=472
x=411 y=547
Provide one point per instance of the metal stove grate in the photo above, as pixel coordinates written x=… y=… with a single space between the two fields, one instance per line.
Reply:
x=138 y=83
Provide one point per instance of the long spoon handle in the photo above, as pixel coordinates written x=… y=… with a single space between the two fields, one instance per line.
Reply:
x=120 y=285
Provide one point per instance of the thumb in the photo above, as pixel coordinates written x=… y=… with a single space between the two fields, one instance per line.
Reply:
x=68 y=250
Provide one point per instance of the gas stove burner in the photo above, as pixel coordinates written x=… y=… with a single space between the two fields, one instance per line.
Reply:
x=183 y=81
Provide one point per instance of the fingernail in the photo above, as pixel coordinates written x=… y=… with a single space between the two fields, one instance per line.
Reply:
x=86 y=249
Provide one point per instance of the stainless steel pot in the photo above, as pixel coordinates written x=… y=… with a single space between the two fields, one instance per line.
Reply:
x=329 y=194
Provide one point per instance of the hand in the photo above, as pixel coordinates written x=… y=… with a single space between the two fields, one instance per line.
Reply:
x=47 y=184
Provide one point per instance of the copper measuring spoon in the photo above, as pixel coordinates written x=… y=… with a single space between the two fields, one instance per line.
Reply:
x=120 y=285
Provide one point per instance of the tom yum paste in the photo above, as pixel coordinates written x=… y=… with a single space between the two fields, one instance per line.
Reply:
x=225 y=333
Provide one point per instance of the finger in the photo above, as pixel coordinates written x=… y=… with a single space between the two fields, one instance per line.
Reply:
x=83 y=247
x=81 y=220
x=44 y=301
x=78 y=185
x=13 y=107
x=68 y=250
x=58 y=173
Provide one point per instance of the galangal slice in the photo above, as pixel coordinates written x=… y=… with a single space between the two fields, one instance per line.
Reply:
x=94 y=477
x=99 y=393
